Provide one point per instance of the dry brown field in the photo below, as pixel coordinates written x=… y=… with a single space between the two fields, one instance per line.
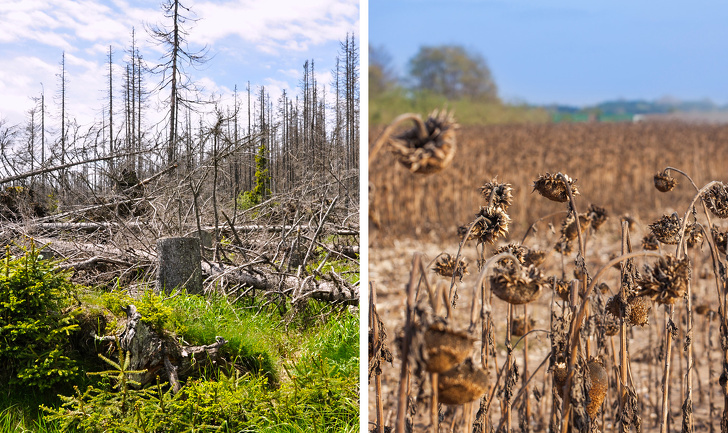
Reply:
x=613 y=165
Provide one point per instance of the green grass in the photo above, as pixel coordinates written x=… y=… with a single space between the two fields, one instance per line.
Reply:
x=253 y=339
x=20 y=414
x=302 y=370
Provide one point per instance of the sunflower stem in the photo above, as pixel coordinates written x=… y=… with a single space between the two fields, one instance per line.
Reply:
x=387 y=133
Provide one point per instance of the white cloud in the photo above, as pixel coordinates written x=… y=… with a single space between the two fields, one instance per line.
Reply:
x=277 y=25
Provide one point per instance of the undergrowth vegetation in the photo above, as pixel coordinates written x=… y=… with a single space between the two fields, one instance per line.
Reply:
x=279 y=373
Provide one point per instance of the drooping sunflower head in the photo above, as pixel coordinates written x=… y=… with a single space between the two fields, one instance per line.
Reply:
x=721 y=240
x=552 y=187
x=497 y=194
x=716 y=198
x=664 y=182
x=517 y=284
x=445 y=348
x=650 y=242
x=597 y=215
x=518 y=250
x=432 y=152
x=693 y=235
x=666 y=281
x=569 y=230
x=492 y=223
x=667 y=229
x=446 y=266
x=462 y=384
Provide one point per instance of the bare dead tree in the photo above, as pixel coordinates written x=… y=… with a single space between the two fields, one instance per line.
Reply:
x=173 y=37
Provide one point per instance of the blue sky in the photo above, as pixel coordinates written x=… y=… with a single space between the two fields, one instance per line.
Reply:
x=264 y=42
x=571 y=51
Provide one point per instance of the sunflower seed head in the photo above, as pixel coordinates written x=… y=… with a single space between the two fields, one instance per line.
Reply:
x=599 y=383
x=553 y=188
x=667 y=229
x=664 y=182
x=597 y=215
x=716 y=198
x=430 y=154
x=493 y=224
x=445 y=348
x=666 y=281
x=516 y=249
x=720 y=239
x=650 y=242
x=637 y=311
x=497 y=194
x=446 y=267
x=517 y=285
x=569 y=230
x=693 y=235
x=519 y=327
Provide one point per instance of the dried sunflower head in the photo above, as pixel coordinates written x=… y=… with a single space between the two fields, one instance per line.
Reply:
x=667 y=281
x=637 y=311
x=599 y=383
x=493 y=223
x=445 y=266
x=664 y=182
x=553 y=187
x=563 y=289
x=667 y=229
x=519 y=327
x=518 y=250
x=445 y=348
x=564 y=247
x=517 y=285
x=720 y=239
x=615 y=306
x=569 y=231
x=462 y=384
x=534 y=257
x=597 y=215
x=497 y=194
x=693 y=235
x=716 y=198
x=650 y=242
x=431 y=153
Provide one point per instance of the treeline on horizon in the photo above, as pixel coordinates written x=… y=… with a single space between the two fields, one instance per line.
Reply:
x=445 y=76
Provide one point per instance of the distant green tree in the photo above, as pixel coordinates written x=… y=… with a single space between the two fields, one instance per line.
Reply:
x=452 y=71
x=262 y=177
x=248 y=199
x=381 y=75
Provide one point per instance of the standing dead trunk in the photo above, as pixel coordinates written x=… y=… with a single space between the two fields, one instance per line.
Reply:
x=179 y=264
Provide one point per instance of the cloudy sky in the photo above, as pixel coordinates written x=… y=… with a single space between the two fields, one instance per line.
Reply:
x=571 y=51
x=263 y=42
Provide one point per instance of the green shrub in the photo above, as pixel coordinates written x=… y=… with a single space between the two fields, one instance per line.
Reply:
x=34 y=323
x=155 y=313
x=246 y=200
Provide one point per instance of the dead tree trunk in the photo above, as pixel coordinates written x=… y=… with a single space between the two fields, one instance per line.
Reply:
x=179 y=264
x=154 y=353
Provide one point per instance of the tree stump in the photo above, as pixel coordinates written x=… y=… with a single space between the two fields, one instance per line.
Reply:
x=179 y=264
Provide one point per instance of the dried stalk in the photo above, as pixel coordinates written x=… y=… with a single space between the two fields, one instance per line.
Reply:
x=374 y=326
x=406 y=343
